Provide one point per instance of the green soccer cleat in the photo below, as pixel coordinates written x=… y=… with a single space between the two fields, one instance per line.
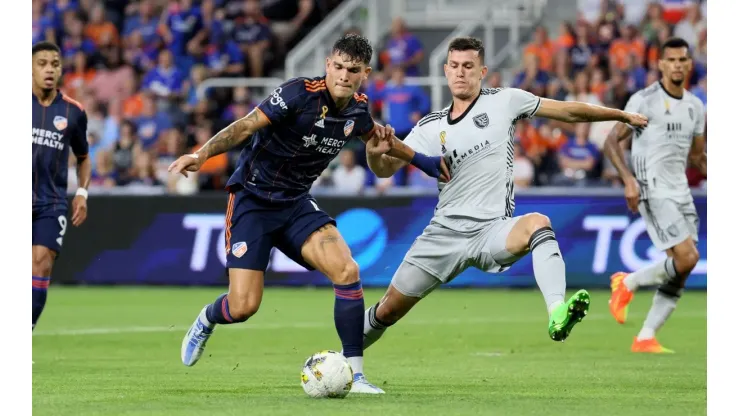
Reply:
x=567 y=315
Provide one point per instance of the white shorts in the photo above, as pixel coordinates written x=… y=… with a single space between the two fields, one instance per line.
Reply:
x=669 y=221
x=442 y=254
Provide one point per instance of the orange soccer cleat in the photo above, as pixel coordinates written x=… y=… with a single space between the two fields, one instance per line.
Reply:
x=621 y=297
x=650 y=345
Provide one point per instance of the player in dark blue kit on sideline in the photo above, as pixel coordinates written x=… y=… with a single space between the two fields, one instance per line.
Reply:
x=59 y=123
x=295 y=132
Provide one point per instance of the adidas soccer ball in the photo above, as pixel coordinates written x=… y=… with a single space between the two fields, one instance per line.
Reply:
x=326 y=374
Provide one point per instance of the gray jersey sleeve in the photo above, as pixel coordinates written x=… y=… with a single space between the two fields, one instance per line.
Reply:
x=422 y=139
x=700 y=119
x=522 y=104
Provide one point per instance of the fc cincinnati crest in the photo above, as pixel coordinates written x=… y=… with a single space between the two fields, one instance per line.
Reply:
x=481 y=120
x=60 y=122
x=348 y=127
x=238 y=249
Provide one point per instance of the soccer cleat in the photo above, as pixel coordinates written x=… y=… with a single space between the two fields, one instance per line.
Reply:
x=567 y=315
x=650 y=345
x=195 y=340
x=621 y=297
x=360 y=385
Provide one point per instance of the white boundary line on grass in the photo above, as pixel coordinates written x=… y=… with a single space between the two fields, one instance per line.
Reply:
x=316 y=325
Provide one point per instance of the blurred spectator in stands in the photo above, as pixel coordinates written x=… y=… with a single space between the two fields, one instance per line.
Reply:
x=74 y=41
x=140 y=55
x=653 y=54
x=124 y=150
x=241 y=104
x=290 y=20
x=542 y=48
x=110 y=80
x=632 y=11
x=567 y=36
x=590 y=10
x=151 y=123
x=42 y=24
x=403 y=48
x=700 y=53
x=691 y=25
x=598 y=85
x=198 y=74
x=112 y=124
x=348 y=176
x=617 y=93
x=75 y=81
x=403 y=104
x=582 y=50
x=652 y=23
x=531 y=78
x=224 y=57
x=133 y=98
x=182 y=29
x=252 y=35
x=144 y=23
x=100 y=31
x=523 y=168
x=165 y=81
x=635 y=74
x=581 y=92
x=700 y=90
x=494 y=79
x=578 y=157
x=144 y=172
x=628 y=44
x=104 y=175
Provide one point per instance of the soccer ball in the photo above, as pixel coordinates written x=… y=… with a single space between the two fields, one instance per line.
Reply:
x=326 y=374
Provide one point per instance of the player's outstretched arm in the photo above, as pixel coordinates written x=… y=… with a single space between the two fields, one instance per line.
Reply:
x=614 y=152
x=698 y=154
x=577 y=112
x=386 y=154
x=223 y=141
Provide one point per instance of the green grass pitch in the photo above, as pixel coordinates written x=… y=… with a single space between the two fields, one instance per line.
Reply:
x=116 y=351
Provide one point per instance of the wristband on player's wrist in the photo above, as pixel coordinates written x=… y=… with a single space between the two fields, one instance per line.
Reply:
x=81 y=192
x=427 y=164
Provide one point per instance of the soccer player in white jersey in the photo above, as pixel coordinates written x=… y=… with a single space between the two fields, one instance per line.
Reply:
x=473 y=224
x=660 y=190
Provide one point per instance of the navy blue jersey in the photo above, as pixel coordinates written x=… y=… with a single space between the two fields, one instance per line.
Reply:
x=56 y=128
x=306 y=132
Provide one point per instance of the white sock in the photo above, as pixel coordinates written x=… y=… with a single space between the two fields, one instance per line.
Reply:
x=356 y=364
x=204 y=319
x=373 y=329
x=548 y=265
x=663 y=306
x=654 y=274
x=554 y=305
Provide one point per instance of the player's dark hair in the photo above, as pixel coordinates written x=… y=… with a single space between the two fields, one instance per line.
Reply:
x=357 y=47
x=673 y=43
x=468 y=43
x=45 y=45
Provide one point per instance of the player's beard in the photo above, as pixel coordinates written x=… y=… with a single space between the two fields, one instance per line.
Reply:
x=677 y=82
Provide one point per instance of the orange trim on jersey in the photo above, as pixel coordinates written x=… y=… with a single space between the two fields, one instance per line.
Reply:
x=361 y=98
x=315 y=86
x=229 y=213
x=263 y=114
x=71 y=101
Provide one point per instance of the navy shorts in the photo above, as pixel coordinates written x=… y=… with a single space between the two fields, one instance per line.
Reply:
x=254 y=227
x=48 y=228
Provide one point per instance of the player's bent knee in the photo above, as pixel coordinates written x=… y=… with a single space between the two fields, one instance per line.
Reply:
x=242 y=308
x=686 y=260
x=43 y=261
x=348 y=273
x=536 y=221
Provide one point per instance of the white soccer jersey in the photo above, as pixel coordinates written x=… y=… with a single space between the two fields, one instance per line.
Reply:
x=660 y=150
x=479 y=150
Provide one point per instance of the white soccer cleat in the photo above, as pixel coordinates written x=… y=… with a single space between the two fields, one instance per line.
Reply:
x=195 y=340
x=360 y=385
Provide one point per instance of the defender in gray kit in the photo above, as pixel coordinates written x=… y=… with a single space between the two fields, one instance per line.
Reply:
x=474 y=223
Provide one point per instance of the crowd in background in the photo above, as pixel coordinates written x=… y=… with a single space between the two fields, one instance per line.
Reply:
x=135 y=66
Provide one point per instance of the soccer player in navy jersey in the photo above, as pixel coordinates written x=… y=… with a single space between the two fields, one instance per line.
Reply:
x=59 y=123
x=295 y=132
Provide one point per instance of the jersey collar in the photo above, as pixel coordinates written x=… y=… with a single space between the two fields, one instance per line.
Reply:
x=450 y=121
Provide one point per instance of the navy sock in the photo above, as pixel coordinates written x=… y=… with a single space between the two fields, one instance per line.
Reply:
x=39 y=285
x=349 y=317
x=218 y=311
